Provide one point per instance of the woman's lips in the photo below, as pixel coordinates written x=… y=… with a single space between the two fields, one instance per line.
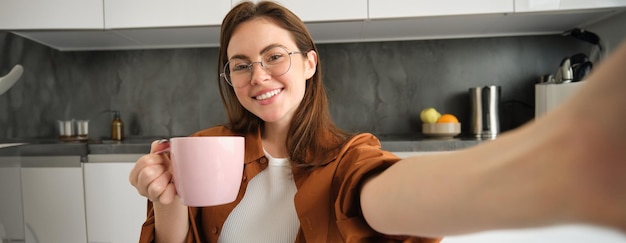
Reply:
x=268 y=94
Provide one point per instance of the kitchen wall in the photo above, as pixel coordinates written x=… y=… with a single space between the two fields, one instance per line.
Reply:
x=377 y=87
x=611 y=31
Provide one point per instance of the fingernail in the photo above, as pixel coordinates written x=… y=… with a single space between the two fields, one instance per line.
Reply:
x=162 y=151
x=162 y=141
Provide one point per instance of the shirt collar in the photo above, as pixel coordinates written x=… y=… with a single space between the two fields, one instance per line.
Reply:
x=254 y=149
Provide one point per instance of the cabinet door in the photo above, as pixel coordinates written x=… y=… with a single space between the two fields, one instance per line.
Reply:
x=115 y=211
x=559 y=5
x=53 y=199
x=422 y=8
x=41 y=14
x=326 y=10
x=11 y=218
x=162 y=13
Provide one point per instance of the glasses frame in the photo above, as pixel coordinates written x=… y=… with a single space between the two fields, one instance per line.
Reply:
x=263 y=66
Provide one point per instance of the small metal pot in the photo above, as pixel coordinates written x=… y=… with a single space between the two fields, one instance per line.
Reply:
x=67 y=128
x=82 y=128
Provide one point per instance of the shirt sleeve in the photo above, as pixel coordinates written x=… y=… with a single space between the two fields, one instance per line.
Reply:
x=148 y=228
x=362 y=157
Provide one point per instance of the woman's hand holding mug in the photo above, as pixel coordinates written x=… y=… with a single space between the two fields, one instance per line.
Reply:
x=152 y=175
x=202 y=171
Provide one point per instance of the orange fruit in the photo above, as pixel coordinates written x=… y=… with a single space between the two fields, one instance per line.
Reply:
x=447 y=118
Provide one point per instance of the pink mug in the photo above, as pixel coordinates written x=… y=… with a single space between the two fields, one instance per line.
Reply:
x=207 y=170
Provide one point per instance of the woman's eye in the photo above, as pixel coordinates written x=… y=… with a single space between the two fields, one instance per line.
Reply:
x=273 y=58
x=240 y=67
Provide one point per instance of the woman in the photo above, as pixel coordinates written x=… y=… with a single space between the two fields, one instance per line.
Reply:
x=565 y=167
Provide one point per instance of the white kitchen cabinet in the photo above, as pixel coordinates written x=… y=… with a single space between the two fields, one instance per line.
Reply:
x=522 y=6
x=379 y=9
x=424 y=19
x=330 y=21
x=53 y=199
x=147 y=24
x=120 y=14
x=326 y=10
x=115 y=210
x=415 y=20
x=11 y=218
x=41 y=14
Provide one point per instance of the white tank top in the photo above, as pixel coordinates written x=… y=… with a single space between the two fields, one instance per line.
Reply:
x=267 y=212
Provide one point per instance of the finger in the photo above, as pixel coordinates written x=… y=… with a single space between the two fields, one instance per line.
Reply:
x=148 y=177
x=142 y=163
x=168 y=195
x=158 y=186
x=158 y=146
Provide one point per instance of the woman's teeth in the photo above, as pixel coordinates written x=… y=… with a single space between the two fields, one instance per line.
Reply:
x=268 y=95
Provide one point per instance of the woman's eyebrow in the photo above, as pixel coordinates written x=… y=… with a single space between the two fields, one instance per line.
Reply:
x=239 y=56
x=263 y=51
x=269 y=47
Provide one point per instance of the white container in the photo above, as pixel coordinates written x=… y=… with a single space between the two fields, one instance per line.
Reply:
x=550 y=95
x=67 y=128
x=82 y=128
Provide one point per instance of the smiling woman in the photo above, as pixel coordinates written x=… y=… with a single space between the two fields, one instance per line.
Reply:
x=326 y=185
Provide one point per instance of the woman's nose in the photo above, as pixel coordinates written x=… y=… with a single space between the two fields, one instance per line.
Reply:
x=258 y=72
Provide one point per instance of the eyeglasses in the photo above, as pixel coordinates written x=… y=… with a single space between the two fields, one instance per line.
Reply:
x=275 y=61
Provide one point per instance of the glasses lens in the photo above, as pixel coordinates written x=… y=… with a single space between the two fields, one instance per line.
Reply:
x=238 y=72
x=277 y=61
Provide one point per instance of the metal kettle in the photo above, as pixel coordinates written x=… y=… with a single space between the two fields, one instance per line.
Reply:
x=485 y=118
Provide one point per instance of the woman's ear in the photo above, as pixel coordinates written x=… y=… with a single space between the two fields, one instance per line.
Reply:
x=310 y=64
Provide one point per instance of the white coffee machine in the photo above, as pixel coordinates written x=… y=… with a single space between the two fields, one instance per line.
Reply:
x=550 y=95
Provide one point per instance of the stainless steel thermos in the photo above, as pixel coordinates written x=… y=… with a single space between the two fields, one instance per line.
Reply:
x=485 y=121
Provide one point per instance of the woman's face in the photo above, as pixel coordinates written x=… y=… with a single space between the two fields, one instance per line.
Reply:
x=272 y=97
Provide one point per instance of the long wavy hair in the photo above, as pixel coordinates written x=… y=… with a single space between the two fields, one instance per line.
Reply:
x=313 y=134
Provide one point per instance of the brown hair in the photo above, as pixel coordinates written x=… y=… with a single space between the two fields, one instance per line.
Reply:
x=313 y=134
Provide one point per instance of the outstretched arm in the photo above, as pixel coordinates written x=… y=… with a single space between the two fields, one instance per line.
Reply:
x=568 y=166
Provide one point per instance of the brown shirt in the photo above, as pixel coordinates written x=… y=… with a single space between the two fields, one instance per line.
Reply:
x=327 y=201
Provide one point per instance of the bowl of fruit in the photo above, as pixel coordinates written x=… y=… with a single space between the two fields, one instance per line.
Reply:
x=435 y=124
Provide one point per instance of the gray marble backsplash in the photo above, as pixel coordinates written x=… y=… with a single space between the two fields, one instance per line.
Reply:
x=377 y=87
